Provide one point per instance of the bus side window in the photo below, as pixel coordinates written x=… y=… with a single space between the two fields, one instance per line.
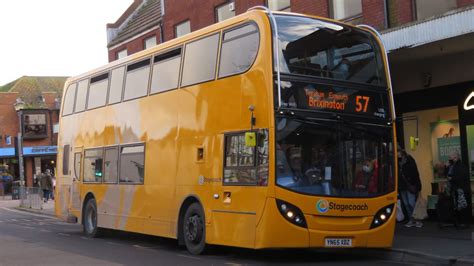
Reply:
x=200 y=60
x=116 y=85
x=98 y=91
x=111 y=165
x=69 y=99
x=244 y=165
x=81 y=96
x=239 y=50
x=166 y=71
x=136 y=81
x=93 y=165
x=66 y=159
x=132 y=164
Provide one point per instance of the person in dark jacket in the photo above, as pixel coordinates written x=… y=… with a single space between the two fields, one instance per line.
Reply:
x=458 y=176
x=46 y=183
x=409 y=185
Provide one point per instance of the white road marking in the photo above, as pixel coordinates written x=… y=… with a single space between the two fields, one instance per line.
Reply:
x=46 y=231
x=63 y=234
x=27 y=213
x=29 y=227
x=189 y=257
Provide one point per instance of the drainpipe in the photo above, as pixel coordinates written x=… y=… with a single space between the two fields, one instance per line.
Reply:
x=386 y=21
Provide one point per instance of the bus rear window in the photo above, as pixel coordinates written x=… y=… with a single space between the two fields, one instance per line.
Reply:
x=313 y=47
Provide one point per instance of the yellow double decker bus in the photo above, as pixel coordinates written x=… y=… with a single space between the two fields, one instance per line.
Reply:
x=267 y=130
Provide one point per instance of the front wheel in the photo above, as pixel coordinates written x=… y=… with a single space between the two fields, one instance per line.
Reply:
x=194 y=231
x=89 y=223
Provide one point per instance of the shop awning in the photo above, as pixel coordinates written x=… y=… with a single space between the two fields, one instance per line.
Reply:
x=40 y=150
x=7 y=152
x=451 y=24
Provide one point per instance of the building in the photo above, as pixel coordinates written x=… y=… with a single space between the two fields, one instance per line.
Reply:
x=30 y=106
x=431 y=54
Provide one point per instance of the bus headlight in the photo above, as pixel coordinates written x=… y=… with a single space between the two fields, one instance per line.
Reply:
x=382 y=216
x=291 y=213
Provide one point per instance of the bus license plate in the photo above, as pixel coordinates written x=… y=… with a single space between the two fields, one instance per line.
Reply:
x=338 y=242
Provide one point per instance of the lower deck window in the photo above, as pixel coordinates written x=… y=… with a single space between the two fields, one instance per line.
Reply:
x=93 y=165
x=132 y=164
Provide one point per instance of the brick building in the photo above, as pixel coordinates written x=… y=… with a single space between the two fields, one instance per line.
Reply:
x=430 y=45
x=32 y=105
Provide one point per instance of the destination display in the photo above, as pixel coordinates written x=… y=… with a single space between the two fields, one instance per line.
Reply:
x=335 y=99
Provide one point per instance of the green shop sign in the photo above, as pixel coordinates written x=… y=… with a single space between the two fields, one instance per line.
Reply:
x=446 y=146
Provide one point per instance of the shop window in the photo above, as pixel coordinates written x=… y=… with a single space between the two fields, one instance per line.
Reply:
x=81 y=96
x=183 y=28
x=98 y=91
x=149 y=42
x=225 y=11
x=200 y=60
x=66 y=159
x=428 y=8
x=166 y=71
x=116 y=85
x=93 y=165
x=111 y=165
x=77 y=165
x=69 y=99
x=132 y=164
x=279 y=5
x=344 y=10
x=34 y=126
x=244 y=39
x=136 y=81
x=246 y=164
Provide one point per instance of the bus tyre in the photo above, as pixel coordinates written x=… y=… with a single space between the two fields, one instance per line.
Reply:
x=89 y=224
x=194 y=230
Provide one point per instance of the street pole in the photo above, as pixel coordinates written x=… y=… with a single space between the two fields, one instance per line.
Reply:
x=20 y=152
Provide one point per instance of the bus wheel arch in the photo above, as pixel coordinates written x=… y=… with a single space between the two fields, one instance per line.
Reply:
x=89 y=216
x=191 y=215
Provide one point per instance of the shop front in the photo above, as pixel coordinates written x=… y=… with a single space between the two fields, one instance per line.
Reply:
x=37 y=160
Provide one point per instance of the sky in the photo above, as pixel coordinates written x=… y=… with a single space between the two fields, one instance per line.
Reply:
x=54 y=37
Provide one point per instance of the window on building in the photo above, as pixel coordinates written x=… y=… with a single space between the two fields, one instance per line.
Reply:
x=111 y=165
x=279 y=5
x=69 y=99
x=166 y=71
x=200 y=60
x=34 y=126
x=93 y=165
x=116 y=85
x=343 y=10
x=429 y=8
x=244 y=39
x=246 y=164
x=150 y=42
x=98 y=91
x=136 y=81
x=132 y=164
x=66 y=159
x=225 y=11
x=183 y=28
x=122 y=54
x=81 y=96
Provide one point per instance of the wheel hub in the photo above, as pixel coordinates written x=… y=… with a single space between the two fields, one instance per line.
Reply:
x=193 y=228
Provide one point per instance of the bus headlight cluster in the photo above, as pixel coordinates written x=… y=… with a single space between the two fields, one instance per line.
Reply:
x=291 y=213
x=382 y=216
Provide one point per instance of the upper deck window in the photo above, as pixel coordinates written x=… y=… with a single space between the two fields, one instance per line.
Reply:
x=166 y=71
x=81 y=96
x=200 y=60
x=69 y=99
x=116 y=85
x=136 y=82
x=98 y=91
x=313 y=47
x=245 y=40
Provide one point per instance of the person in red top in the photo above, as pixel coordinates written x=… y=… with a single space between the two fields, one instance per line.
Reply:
x=367 y=179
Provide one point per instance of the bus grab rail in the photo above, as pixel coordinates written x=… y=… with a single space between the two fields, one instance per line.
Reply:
x=394 y=115
x=276 y=45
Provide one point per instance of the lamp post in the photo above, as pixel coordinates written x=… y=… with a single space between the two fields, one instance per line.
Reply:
x=19 y=105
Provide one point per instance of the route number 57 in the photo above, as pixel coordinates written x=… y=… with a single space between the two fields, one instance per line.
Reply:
x=361 y=103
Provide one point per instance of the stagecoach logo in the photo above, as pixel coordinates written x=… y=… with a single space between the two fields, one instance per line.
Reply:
x=322 y=206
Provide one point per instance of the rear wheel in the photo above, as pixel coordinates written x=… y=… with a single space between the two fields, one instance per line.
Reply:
x=194 y=231
x=89 y=223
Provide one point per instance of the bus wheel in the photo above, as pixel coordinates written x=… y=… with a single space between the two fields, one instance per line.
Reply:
x=89 y=224
x=194 y=230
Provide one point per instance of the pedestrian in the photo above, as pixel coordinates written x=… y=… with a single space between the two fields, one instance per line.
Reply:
x=409 y=185
x=460 y=189
x=46 y=183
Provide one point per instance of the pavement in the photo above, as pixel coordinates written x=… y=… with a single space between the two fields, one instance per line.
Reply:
x=440 y=245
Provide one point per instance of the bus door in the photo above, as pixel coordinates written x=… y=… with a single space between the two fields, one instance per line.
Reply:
x=240 y=198
x=76 y=180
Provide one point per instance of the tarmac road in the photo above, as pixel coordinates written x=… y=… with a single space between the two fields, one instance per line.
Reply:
x=34 y=239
